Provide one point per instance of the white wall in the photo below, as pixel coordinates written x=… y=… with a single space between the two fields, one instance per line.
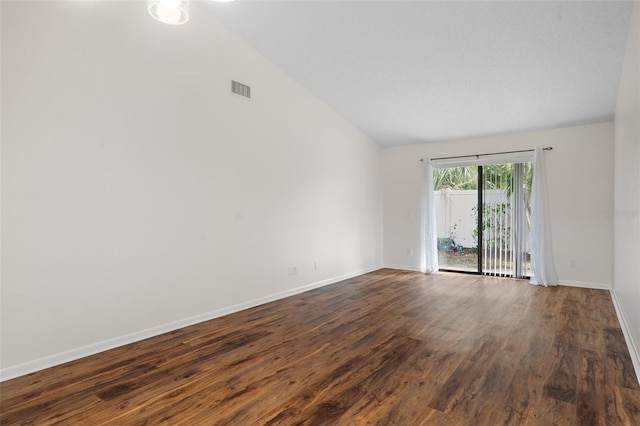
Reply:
x=139 y=195
x=626 y=283
x=580 y=176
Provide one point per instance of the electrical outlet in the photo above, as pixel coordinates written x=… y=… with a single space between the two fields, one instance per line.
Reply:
x=293 y=270
x=572 y=263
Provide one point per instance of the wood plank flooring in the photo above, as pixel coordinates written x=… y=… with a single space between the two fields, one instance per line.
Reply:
x=386 y=348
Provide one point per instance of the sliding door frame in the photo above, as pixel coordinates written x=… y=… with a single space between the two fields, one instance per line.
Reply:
x=518 y=225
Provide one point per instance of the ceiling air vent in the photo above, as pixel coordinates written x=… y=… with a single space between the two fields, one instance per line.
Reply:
x=240 y=89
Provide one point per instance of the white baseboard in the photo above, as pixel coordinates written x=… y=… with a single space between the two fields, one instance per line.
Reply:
x=633 y=349
x=403 y=267
x=77 y=353
x=596 y=286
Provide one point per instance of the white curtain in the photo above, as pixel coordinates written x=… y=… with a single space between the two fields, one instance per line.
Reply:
x=543 y=269
x=429 y=236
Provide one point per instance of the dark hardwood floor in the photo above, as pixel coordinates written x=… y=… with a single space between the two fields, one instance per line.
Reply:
x=388 y=348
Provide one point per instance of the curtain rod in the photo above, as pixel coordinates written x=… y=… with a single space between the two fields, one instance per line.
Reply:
x=548 y=148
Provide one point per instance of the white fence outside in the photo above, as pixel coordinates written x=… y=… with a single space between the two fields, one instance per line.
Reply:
x=454 y=212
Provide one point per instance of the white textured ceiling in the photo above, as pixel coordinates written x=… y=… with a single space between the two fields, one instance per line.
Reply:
x=416 y=71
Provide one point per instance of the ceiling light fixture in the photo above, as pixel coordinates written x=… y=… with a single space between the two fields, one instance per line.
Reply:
x=173 y=12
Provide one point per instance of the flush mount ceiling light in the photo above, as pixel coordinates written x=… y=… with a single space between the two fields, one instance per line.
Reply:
x=173 y=12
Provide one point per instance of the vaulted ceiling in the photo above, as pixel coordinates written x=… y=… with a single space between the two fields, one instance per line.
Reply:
x=415 y=71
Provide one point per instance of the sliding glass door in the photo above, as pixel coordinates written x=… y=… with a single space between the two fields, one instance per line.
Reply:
x=482 y=216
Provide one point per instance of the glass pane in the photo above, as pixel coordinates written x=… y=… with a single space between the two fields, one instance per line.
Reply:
x=456 y=198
